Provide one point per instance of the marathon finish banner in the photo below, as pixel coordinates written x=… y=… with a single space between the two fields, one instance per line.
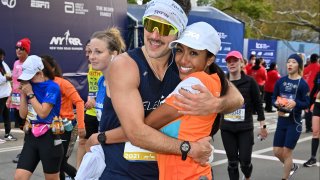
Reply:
x=59 y=28
x=267 y=49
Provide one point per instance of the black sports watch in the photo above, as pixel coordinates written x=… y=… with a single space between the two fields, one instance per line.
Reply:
x=185 y=148
x=30 y=96
x=102 y=138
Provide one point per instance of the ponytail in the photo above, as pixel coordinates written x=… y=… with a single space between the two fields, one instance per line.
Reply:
x=214 y=68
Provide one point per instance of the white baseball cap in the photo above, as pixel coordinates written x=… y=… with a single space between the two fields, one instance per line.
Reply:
x=199 y=36
x=30 y=67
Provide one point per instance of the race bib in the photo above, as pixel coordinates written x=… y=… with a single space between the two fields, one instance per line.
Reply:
x=236 y=116
x=134 y=153
x=32 y=115
x=15 y=99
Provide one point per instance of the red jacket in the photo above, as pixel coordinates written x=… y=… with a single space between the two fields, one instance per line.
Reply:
x=259 y=75
x=248 y=69
x=272 y=78
x=310 y=72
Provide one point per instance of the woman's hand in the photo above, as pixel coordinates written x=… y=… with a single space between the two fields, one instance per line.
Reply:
x=291 y=104
x=91 y=103
x=82 y=133
x=26 y=88
x=93 y=140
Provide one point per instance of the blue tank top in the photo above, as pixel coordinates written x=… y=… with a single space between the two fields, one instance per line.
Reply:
x=152 y=91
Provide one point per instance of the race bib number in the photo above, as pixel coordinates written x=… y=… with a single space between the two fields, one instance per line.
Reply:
x=15 y=99
x=32 y=115
x=134 y=153
x=236 y=116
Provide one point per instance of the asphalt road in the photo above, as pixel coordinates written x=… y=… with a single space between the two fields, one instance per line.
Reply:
x=265 y=165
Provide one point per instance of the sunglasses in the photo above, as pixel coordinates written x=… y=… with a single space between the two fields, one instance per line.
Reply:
x=164 y=29
x=20 y=48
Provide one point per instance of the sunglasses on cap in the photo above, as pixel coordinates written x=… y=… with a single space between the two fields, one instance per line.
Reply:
x=164 y=29
x=20 y=48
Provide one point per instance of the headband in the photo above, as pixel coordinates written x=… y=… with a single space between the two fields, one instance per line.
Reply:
x=168 y=10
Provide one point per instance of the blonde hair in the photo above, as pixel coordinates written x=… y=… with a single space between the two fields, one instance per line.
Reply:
x=113 y=39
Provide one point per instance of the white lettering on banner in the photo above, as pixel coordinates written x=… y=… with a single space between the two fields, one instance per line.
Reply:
x=105 y=11
x=262 y=46
x=65 y=43
x=222 y=35
x=40 y=4
x=9 y=3
x=74 y=8
x=268 y=54
x=69 y=7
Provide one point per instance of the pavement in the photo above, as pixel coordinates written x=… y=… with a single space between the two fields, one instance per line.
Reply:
x=265 y=165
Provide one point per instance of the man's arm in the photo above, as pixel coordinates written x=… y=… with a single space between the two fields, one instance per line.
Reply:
x=123 y=80
x=205 y=103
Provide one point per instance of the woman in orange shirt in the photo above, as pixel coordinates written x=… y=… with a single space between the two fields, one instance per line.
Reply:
x=69 y=97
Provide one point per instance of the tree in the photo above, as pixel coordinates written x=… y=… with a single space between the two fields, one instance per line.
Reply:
x=276 y=19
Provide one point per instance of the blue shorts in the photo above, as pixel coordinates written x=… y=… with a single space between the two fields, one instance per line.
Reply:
x=287 y=133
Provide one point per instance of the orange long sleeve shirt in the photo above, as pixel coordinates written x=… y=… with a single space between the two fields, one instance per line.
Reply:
x=70 y=97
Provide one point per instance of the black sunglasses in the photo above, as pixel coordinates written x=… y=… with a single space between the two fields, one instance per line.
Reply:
x=20 y=48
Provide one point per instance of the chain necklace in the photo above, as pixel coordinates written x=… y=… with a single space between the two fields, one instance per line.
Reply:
x=158 y=76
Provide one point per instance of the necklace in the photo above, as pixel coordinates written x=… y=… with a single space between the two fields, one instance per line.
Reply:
x=158 y=76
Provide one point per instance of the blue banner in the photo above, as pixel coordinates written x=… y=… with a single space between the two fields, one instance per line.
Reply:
x=267 y=49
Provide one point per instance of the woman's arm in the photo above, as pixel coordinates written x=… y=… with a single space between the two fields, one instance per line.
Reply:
x=23 y=109
x=43 y=109
x=161 y=116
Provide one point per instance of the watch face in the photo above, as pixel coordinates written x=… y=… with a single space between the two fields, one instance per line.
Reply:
x=102 y=138
x=185 y=147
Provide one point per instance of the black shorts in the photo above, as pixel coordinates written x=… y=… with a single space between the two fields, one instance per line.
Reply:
x=42 y=149
x=91 y=124
x=316 y=109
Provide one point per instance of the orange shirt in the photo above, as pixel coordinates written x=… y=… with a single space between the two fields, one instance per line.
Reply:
x=189 y=128
x=70 y=97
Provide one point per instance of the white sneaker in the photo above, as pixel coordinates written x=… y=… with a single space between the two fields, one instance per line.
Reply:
x=9 y=137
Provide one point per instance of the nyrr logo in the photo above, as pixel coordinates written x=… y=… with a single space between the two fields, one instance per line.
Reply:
x=9 y=3
x=67 y=39
x=65 y=43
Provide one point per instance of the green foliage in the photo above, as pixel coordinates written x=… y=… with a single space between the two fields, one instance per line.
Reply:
x=276 y=19
x=131 y=2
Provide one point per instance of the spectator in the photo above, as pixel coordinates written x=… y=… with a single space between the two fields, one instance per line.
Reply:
x=309 y=75
x=252 y=61
x=272 y=77
x=259 y=73
x=5 y=91
x=315 y=123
